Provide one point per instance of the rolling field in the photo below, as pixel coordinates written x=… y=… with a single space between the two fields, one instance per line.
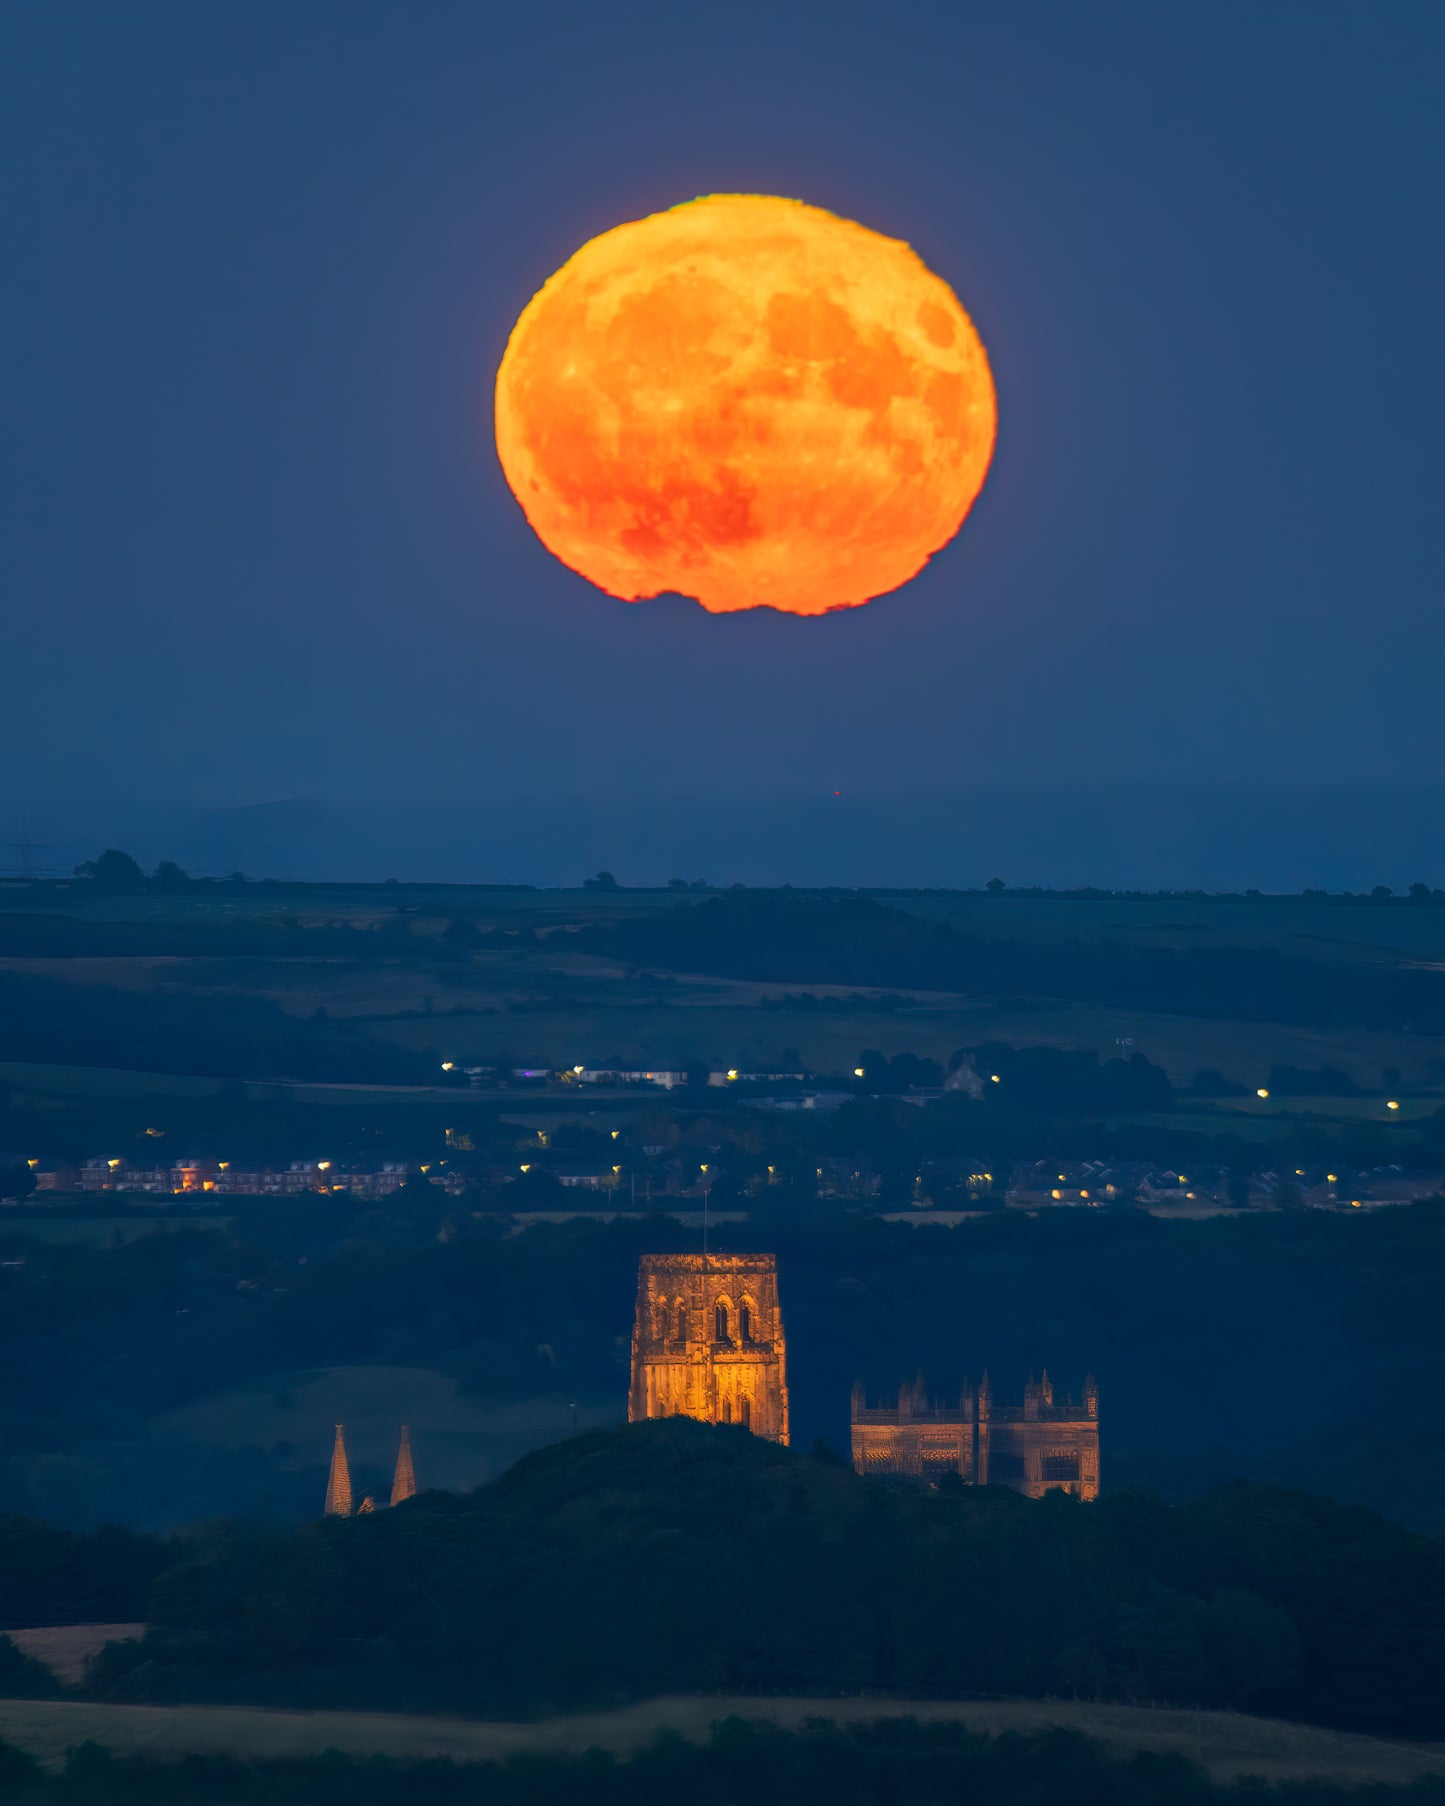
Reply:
x=1227 y=1744
x=121 y=1082
x=1352 y=930
x=66 y=1648
x=539 y=1012
x=110 y=1232
x=544 y=1004
x=1346 y=932
x=736 y=1031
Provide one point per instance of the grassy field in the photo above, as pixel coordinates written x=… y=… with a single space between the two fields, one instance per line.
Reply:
x=1340 y=1109
x=1350 y=933
x=116 y=1082
x=104 y=1231
x=1227 y=1744
x=66 y=1648
x=545 y=1004
x=1352 y=928
x=734 y=1030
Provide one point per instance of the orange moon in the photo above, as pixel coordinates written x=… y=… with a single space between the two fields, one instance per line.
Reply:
x=749 y=401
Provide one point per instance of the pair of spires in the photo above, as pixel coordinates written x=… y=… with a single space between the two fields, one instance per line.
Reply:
x=338 y=1483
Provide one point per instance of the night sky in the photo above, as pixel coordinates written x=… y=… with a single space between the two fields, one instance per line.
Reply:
x=263 y=260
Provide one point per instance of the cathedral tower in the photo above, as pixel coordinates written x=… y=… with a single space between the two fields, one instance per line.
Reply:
x=707 y=1342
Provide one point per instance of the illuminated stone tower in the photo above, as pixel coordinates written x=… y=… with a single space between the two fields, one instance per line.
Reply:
x=338 y=1484
x=707 y=1342
x=403 y=1483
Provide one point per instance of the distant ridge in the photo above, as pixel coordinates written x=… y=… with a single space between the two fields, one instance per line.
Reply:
x=1210 y=836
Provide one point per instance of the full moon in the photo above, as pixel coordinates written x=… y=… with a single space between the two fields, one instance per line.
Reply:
x=749 y=401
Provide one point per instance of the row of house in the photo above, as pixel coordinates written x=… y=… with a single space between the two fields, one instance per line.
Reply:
x=224 y=1178
x=955 y=1181
x=1042 y=1183
x=670 y=1079
x=664 y=1078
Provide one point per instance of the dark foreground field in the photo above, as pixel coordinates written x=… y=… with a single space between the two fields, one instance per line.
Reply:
x=1225 y=1744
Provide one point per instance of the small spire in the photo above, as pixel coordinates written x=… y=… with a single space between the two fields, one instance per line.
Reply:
x=338 y=1484
x=403 y=1484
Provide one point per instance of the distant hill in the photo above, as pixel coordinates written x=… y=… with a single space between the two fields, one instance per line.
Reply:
x=1219 y=836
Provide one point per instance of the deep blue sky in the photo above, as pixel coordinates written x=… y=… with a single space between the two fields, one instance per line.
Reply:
x=263 y=258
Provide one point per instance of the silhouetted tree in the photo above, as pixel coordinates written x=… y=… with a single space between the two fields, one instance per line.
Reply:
x=113 y=871
x=168 y=876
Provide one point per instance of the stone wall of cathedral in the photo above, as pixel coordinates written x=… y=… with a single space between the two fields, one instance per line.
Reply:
x=707 y=1342
x=1043 y=1445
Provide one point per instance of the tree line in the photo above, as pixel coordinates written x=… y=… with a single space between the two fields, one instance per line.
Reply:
x=1295 y=1337
x=51 y=1022
x=675 y=1556
x=850 y=939
x=891 y=1762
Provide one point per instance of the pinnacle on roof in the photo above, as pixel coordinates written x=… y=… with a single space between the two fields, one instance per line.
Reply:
x=403 y=1484
x=338 y=1484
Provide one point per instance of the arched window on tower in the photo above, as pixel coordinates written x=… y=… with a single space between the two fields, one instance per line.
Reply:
x=681 y=1322
x=725 y=1413
x=745 y=1413
x=721 y=1330
x=745 y=1320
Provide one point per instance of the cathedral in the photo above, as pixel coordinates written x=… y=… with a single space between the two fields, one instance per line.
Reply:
x=1043 y=1445
x=707 y=1342
x=338 y=1483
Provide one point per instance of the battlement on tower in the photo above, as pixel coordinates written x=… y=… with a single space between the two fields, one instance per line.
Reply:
x=1041 y=1445
x=707 y=1342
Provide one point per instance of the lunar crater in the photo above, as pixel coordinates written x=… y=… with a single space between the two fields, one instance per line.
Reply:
x=747 y=401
